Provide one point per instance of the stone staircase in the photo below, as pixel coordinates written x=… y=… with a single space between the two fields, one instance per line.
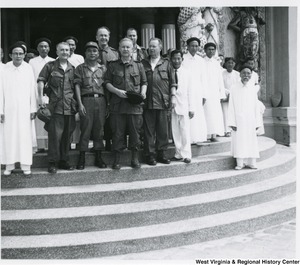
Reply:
x=98 y=213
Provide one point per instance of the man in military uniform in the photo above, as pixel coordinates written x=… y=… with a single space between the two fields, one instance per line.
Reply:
x=92 y=105
x=161 y=82
x=106 y=55
x=122 y=76
x=138 y=53
x=59 y=77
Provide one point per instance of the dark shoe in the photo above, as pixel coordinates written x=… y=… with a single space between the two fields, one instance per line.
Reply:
x=52 y=168
x=116 y=164
x=214 y=139
x=135 y=159
x=41 y=150
x=151 y=161
x=187 y=160
x=65 y=165
x=98 y=161
x=81 y=161
x=176 y=159
x=162 y=158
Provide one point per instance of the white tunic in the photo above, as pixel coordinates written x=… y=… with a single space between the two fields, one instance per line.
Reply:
x=76 y=59
x=243 y=113
x=17 y=102
x=38 y=63
x=215 y=92
x=195 y=66
x=180 y=117
x=230 y=79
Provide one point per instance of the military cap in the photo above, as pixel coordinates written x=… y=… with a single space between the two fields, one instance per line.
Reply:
x=18 y=44
x=210 y=44
x=38 y=41
x=71 y=38
x=193 y=39
x=91 y=44
x=134 y=97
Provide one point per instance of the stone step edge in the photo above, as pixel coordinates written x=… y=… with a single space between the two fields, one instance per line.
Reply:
x=265 y=144
x=129 y=208
x=77 y=239
x=280 y=158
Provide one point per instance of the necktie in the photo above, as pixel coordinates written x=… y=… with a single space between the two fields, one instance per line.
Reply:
x=176 y=76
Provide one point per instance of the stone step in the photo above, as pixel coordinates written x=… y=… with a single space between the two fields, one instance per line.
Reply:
x=206 y=148
x=93 y=175
x=151 y=237
x=144 y=190
x=107 y=217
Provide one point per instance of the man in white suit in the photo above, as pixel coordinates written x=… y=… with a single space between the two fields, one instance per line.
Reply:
x=182 y=109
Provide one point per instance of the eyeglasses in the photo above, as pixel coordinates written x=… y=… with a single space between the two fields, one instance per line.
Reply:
x=18 y=53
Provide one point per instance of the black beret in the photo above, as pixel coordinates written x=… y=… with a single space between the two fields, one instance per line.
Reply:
x=33 y=51
x=38 y=41
x=18 y=44
x=193 y=39
x=71 y=38
x=228 y=59
x=134 y=97
x=209 y=44
x=246 y=66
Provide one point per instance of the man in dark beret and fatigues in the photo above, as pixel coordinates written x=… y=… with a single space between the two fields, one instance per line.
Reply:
x=92 y=105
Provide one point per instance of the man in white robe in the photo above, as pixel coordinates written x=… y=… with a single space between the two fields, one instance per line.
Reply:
x=214 y=93
x=243 y=118
x=195 y=66
x=230 y=78
x=182 y=110
x=37 y=63
x=17 y=110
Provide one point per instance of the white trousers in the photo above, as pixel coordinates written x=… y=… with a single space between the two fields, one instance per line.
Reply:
x=241 y=162
x=181 y=135
x=11 y=167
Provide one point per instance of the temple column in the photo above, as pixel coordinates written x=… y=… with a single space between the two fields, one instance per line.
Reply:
x=168 y=37
x=148 y=32
x=281 y=74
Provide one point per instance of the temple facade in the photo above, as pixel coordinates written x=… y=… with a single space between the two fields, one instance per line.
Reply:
x=267 y=34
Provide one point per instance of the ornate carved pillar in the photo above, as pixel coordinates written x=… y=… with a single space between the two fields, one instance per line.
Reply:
x=148 y=32
x=168 y=37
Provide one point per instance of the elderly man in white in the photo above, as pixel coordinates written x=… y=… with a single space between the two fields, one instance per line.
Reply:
x=182 y=109
x=17 y=110
x=244 y=119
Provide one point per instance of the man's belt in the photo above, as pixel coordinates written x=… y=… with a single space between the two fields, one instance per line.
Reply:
x=92 y=96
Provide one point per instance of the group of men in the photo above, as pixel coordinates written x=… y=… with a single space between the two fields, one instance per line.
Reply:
x=130 y=91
